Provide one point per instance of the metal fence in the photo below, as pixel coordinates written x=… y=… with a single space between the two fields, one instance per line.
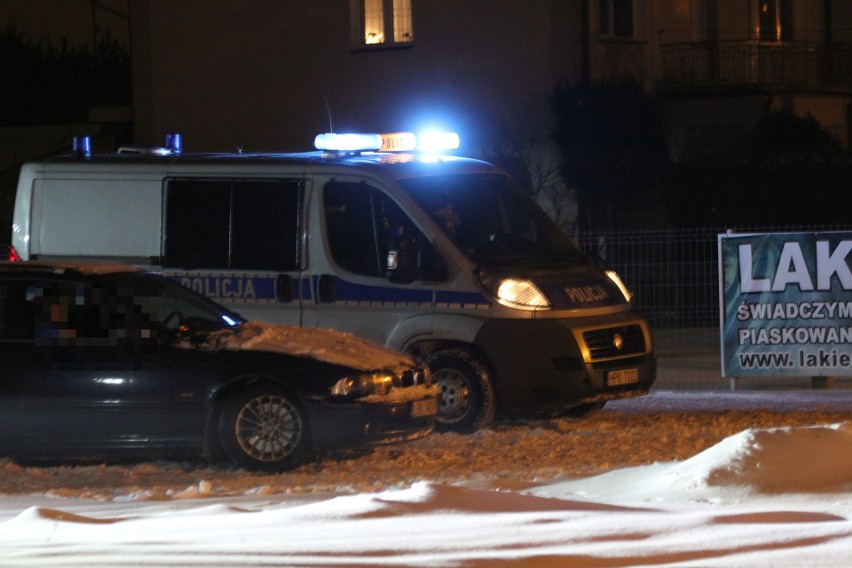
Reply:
x=754 y=62
x=674 y=276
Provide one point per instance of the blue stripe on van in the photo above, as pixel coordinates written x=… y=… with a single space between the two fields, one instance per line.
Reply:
x=307 y=290
x=248 y=288
x=259 y=288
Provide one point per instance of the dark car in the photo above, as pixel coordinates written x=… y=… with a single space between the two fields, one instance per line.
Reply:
x=100 y=360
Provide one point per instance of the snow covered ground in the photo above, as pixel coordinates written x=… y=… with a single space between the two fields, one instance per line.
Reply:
x=672 y=479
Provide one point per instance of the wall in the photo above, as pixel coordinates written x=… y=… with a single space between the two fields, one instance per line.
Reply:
x=258 y=74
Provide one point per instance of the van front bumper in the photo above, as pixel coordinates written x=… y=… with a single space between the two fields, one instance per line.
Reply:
x=543 y=366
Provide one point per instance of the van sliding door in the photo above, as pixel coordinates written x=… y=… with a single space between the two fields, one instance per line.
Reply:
x=238 y=242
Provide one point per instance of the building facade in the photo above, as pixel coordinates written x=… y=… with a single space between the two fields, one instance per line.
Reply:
x=270 y=74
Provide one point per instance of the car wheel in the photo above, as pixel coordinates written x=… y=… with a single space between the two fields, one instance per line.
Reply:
x=264 y=428
x=583 y=409
x=467 y=402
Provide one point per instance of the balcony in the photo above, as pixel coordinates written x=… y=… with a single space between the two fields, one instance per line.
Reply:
x=751 y=64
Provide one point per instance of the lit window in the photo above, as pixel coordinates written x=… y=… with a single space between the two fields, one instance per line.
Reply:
x=383 y=22
x=774 y=19
x=616 y=18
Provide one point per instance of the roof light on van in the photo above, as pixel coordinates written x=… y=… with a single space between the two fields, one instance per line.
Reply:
x=349 y=142
x=81 y=146
x=174 y=142
x=437 y=141
x=398 y=142
x=428 y=142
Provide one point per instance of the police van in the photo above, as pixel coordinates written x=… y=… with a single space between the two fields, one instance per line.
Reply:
x=387 y=237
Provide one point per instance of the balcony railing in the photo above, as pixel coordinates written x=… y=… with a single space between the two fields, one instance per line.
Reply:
x=755 y=63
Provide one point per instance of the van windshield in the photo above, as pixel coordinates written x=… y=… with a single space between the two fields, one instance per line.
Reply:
x=491 y=219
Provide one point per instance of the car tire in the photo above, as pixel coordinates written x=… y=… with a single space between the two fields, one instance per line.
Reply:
x=467 y=401
x=264 y=428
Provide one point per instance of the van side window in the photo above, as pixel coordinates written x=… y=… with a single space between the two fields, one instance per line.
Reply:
x=368 y=234
x=232 y=224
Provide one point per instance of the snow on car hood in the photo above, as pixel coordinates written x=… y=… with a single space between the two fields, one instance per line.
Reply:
x=325 y=345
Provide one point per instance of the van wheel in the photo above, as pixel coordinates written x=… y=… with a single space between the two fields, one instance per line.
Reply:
x=264 y=428
x=467 y=401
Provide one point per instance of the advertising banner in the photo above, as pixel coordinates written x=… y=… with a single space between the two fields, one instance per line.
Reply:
x=786 y=304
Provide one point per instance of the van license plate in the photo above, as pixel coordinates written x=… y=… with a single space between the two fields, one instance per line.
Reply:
x=622 y=377
x=424 y=407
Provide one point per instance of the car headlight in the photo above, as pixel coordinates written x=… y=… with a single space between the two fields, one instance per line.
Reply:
x=363 y=385
x=613 y=275
x=514 y=292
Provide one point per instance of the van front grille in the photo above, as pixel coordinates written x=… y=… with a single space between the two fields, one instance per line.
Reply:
x=615 y=342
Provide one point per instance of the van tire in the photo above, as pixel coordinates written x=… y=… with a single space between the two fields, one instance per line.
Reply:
x=264 y=428
x=467 y=402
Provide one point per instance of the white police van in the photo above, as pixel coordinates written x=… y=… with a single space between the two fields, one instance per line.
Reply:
x=438 y=256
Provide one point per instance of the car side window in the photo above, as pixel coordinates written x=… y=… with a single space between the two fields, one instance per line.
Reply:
x=242 y=224
x=350 y=227
x=97 y=320
x=368 y=234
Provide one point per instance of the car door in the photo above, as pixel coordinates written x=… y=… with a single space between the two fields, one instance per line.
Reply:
x=88 y=380
x=17 y=318
x=377 y=271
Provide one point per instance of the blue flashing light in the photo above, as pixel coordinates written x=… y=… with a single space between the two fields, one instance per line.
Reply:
x=428 y=142
x=82 y=146
x=174 y=142
x=349 y=142
x=437 y=141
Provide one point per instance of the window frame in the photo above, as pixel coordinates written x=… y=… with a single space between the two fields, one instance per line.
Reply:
x=382 y=207
x=357 y=10
x=295 y=258
x=607 y=21
x=782 y=12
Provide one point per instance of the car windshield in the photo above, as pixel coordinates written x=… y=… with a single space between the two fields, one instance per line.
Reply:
x=491 y=219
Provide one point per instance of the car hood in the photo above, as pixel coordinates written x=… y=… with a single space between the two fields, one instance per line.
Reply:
x=326 y=345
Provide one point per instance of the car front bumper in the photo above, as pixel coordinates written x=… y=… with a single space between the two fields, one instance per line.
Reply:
x=338 y=425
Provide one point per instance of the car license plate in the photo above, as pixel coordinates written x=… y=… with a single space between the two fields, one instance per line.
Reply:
x=424 y=407
x=622 y=377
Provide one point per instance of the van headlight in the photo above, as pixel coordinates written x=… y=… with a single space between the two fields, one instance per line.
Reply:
x=613 y=275
x=363 y=385
x=518 y=293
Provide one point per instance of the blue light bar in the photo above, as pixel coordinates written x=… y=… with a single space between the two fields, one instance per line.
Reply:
x=351 y=142
x=398 y=142
x=437 y=141
x=428 y=142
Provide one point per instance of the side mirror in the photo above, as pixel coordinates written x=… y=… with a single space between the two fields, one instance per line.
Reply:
x=402 y=265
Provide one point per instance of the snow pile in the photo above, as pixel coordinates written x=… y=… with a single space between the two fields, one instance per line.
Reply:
x=320 y=344
x=763 y=488
x=815 y=459
x=786 y=460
